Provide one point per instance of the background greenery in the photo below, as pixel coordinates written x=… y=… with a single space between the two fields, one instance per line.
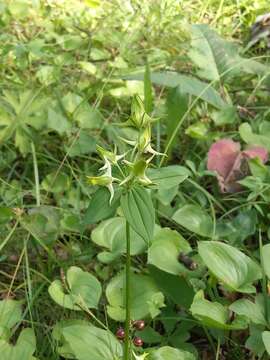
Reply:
x=69 y=70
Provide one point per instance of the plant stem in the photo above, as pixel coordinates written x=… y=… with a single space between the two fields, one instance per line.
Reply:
x=218 y=349
x=36 y=173
x=127 y=325
x=264 y=279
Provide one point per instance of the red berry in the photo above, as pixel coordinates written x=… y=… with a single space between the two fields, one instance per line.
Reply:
x=139 y=324
x=120 y=333
x=137 y=341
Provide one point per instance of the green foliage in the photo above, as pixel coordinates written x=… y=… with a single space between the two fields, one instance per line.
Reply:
x=195 y=219
x=138 y=209
x=107 y=113
x=146 y=297
x=229 y=265
x=82 y=290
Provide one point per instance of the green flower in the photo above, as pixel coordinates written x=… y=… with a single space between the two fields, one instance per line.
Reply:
x=108 y=157
x=138 y=118
x=137 y=172
x=104 y=180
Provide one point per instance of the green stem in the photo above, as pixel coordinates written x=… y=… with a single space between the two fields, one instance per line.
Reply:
x=127 y=325
x=218 y=349
x=264 y=279
x=36 y=173
x=209 y=337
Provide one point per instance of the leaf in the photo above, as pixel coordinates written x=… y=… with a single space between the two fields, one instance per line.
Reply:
x=146 y=297
x=164 y=251
x=46 y=75
x=89 y=342
x=230 y=266
x=148 y=93
x=217 y=58
x=222 y=155
x=138 y=210
x=88 y=67
x=265 y=259
x=169 y=176
x=194 y=219
x=24 y=348
x=84 y=114
x=227 y=115
x=84 y=290
x=149 y=335
x=238 y=229
x=57 y=122
x=43 y=223
x=175 y=287
x=213 y=314
x=176 y=107
x=198 y=130
x=56 y=182
x=100 y=208
x=10 y=313
x=84 y=144
x=6 y=214
x=249 y=137
x=186 y=85
x=111 y=235
x=266 y=341
x=255 y=341
x=169 y=353
x=253 y=311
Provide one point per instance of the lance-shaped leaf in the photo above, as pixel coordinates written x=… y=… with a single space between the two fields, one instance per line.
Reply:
x=231 y=266
x=186 y=85
x=217 y=58
x=139 y=212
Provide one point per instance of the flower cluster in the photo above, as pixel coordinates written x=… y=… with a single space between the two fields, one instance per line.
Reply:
x=132 y=165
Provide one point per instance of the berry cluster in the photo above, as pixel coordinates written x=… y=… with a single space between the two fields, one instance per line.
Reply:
x=138 y=325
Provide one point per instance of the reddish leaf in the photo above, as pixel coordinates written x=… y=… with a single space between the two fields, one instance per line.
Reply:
x=256 y=151
x=222 y=155
x=231 y=164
